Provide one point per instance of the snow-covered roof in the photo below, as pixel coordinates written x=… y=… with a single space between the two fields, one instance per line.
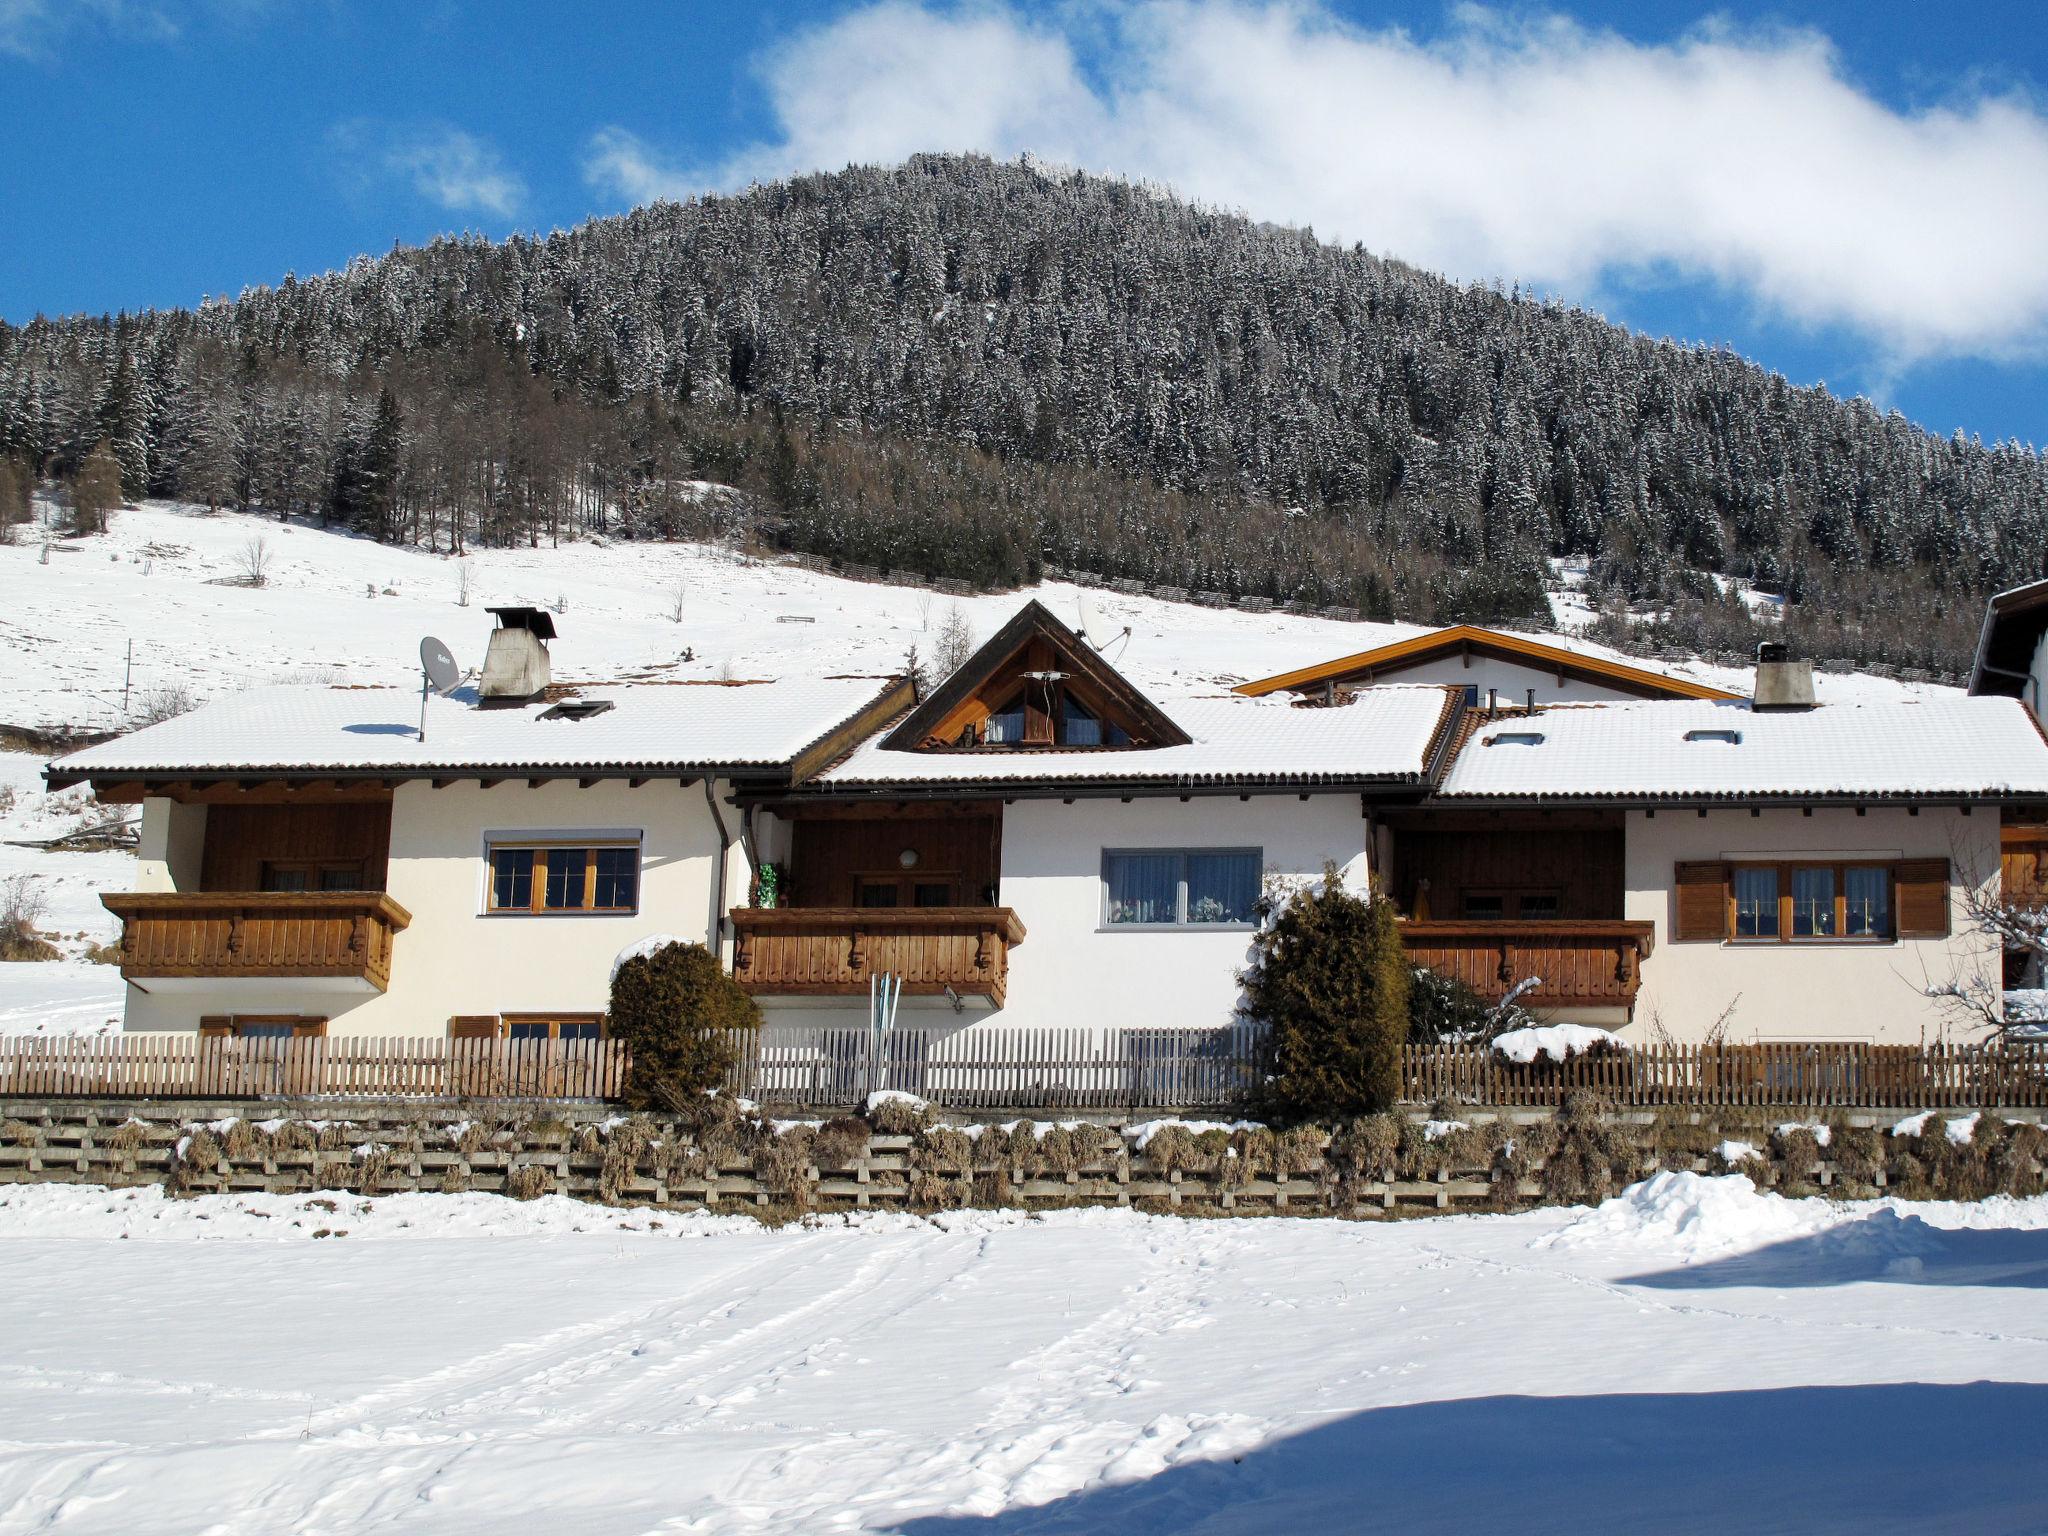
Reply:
x=1685 y=750
x=1383 y=734
x=659 y=727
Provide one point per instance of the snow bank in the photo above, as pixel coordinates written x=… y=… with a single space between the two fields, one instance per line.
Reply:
x=881 y=1096
x=1733 y=1152
x=1557 y=1041
x=1691 y=1216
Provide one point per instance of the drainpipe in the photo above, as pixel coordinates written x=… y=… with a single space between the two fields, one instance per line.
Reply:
x=716 y=931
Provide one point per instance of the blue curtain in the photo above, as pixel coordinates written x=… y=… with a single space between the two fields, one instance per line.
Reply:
x=1143 y=887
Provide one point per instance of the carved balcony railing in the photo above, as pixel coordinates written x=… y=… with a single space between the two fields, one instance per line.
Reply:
x=834 y=951
x=1577 y=963
x=326 y=936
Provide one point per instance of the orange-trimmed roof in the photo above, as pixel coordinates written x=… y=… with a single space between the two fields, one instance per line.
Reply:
x=1417 y=649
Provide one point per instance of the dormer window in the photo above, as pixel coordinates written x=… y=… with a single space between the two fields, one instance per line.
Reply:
x=1035 y=686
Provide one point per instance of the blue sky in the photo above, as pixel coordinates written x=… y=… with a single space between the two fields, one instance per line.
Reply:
x=1854 y=193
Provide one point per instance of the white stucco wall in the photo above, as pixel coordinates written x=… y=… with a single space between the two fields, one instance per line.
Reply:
x=453 y=959
x=169 y=845
x=2037 y=679
x=1073 y=973
x=1070 y=970
x=1512 y=679
x=1816 y=991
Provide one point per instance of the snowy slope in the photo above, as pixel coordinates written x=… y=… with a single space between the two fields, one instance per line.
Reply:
x=1692 y=1357
x=154 y=580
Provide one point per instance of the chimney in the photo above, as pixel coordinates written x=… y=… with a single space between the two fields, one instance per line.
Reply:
x=1781 y=683
x=516 y=665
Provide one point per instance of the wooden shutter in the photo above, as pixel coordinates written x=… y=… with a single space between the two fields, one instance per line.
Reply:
x=1923 y=898
x=308 y=1028
x=473 y=1026
x=1702 y=902
x=216 y=1026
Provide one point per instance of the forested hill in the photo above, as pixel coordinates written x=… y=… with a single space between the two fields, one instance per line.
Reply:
x=968 y=368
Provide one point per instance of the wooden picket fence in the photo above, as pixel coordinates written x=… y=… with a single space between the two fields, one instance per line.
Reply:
x=985 y=1067
x=1811 y=1076
x=992 y=1068
x=201 y=1067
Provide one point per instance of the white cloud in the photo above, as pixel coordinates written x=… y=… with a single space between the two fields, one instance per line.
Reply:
x=30 y=29
x=448 y=166
x=1539 y=150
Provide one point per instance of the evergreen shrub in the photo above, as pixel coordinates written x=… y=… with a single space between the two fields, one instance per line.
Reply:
x=1331 y=983
x=684 y=1020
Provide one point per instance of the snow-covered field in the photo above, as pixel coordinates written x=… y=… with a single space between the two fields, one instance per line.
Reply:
x=1692 y=1357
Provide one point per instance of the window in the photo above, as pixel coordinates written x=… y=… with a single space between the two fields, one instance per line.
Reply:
x=547 y=1026
x=1005 y=726
x=290 y=876
x=565 y=878
x=1078 y=728
x=253 y=1026
x=1205 y=887
x=1866 y=902
x=1812 y=903
x=1756 y=901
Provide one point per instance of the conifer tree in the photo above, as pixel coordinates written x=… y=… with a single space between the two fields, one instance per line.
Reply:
x=96 y=490
x=1329 y=980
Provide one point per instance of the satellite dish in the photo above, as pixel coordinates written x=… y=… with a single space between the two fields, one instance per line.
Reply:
x=438 y=663
x=1095 y=629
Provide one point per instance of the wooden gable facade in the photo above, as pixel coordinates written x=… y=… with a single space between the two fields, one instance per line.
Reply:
x=1035 y=685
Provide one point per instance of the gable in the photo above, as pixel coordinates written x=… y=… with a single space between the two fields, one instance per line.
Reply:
x=1035 y=684
x=1446 y=653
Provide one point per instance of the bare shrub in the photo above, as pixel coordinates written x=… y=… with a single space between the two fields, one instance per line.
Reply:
x=528 y=1181
x=840 y=1142
x=898 y=1117
x=22 y=905
x=153 y=706
x=941 y=1149
x=252 y=562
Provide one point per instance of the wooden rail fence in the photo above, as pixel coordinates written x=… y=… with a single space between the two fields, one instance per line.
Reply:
x=992 y=1068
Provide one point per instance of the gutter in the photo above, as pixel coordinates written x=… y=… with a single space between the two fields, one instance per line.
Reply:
x=715 y=929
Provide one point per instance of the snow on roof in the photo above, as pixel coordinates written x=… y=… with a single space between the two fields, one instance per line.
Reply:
x=654 y=726
x=1384 y=733
x=1680 y=748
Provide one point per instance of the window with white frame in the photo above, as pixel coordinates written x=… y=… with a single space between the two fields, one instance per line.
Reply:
x=1180 y=887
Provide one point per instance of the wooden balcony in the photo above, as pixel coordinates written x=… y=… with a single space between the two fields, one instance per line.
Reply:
x=340 y=938
x=1577 y=963
x=833 y=951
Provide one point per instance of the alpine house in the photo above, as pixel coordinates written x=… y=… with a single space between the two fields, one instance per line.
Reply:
x=1038 y=843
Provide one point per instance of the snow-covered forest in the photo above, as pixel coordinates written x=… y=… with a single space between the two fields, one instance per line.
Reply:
x=968 y=369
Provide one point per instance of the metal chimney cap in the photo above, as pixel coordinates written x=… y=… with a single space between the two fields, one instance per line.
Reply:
x=539 y=620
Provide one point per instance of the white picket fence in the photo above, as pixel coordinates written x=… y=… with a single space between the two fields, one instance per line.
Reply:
x=994 y=1068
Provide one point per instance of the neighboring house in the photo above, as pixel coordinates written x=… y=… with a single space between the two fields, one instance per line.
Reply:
x=1040 y=843
x=2012 y=660
x=1123 y=840
x=307 y=863
x=1492 y=667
